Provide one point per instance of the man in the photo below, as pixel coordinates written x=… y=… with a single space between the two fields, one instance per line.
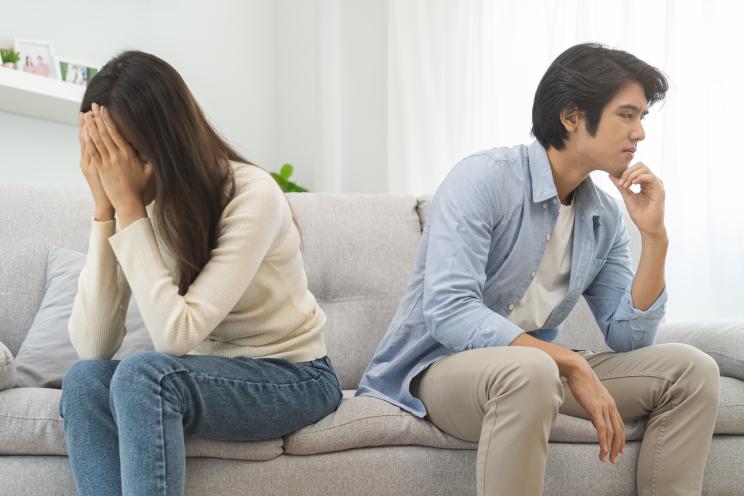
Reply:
x=41 y=67
x=514 y=237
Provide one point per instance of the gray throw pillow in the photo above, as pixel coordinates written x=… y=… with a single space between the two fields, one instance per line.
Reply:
x=723 y=341
x=47 y=353
x=7 y=368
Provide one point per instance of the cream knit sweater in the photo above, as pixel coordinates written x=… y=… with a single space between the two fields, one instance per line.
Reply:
x=251 y=299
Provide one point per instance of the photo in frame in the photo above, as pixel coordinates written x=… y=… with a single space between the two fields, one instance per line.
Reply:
x=37 y=57
x=76 y=72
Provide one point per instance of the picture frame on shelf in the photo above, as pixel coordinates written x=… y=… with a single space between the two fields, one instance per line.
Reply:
x=37 y=57
x=76 y=72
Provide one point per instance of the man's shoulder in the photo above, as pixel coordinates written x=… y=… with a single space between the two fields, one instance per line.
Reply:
x=503 y=158
x=501 y=168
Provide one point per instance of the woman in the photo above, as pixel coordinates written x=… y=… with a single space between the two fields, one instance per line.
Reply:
x=214 y=265
x=28 y=66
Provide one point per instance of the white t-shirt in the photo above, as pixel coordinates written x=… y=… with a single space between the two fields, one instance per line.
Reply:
x=549 y=285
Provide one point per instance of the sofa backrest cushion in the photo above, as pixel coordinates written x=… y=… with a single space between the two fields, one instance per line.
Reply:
x=359 y=252
x=33 y=218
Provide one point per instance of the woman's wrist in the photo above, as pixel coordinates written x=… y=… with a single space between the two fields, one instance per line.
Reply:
x=103 y=214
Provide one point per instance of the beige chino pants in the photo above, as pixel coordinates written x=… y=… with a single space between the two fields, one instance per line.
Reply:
x=507 y=398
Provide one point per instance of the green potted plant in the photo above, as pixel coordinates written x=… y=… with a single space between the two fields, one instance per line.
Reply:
x=9 y=57
x=283 y=179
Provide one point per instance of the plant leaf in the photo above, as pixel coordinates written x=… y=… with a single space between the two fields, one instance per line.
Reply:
x=286 y=171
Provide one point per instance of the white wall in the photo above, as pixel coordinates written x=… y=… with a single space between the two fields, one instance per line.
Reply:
x=40 y=151
x=332 y=93
x=224 y=53
x=283 y=80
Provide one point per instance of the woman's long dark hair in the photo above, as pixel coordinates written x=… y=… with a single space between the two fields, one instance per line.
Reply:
x=155 y=111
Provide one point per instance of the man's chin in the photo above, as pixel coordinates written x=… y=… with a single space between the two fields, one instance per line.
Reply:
x=619 y=169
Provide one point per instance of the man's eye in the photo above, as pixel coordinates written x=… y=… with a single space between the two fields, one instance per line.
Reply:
x=627 y=116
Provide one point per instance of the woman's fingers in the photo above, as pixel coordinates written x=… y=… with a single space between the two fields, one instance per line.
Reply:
x=116 y=136
x=94 y=140
x=103 y=133
x=93 y=153
x=81 y=131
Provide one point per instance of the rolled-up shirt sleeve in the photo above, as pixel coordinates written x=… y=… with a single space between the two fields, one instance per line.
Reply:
x=609 y=297
x=462 y=217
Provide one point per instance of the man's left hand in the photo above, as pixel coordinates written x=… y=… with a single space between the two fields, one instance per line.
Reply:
x=646 y=208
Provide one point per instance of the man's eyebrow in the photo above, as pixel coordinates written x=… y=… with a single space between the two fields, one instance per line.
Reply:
x=632 y=107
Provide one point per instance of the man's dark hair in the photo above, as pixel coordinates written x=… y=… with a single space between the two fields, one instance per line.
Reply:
x=586 y=77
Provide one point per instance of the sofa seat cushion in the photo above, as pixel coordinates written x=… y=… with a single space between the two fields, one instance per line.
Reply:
x=731 y=407
x=30 y=424
x=365 y=421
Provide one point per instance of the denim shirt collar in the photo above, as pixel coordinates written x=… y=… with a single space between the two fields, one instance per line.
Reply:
x=587 y=197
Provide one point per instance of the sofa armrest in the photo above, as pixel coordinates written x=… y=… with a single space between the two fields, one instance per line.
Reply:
x=7 y=368
x=723 y=341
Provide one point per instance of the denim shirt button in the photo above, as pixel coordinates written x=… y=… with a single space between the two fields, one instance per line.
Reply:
x=511 y=306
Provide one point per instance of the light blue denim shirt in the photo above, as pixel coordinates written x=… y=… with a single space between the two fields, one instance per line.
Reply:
x=488 y=226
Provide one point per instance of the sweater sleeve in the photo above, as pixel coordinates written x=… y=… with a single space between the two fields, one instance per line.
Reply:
x=97 y=323
x=177 y=323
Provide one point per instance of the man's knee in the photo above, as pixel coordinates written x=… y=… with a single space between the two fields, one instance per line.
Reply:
x=532 y=375
x=696 y=369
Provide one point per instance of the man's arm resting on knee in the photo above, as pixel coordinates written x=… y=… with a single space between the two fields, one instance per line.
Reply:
x=588 y=391
x=568 y=361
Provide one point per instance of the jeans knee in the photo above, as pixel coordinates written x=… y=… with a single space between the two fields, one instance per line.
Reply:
x=85 y=373
x=138 y=370
x=84 y=380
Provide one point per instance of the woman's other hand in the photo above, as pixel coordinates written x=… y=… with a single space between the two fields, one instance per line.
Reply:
x=104 y=210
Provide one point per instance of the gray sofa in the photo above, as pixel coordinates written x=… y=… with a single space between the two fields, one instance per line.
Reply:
x=358 y=251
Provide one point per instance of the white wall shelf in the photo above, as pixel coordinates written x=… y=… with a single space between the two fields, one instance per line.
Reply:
x=37 y=96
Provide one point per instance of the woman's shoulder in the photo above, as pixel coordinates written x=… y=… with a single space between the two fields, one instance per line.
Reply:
x=254 y=188
x=248 y=172
x=251 y=178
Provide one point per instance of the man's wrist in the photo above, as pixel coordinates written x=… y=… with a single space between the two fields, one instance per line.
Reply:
x=574 y=364
x=658 y=236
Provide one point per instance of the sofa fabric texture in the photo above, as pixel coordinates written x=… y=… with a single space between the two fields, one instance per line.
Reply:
x=358 y=253
x=47 y=353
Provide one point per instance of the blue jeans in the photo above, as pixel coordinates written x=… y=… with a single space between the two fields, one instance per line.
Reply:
x=125 y=421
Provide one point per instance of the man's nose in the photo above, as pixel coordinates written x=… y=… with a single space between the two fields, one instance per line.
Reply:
x=638 y=133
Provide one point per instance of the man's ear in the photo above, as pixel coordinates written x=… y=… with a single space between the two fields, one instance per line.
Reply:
x=570 y=119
